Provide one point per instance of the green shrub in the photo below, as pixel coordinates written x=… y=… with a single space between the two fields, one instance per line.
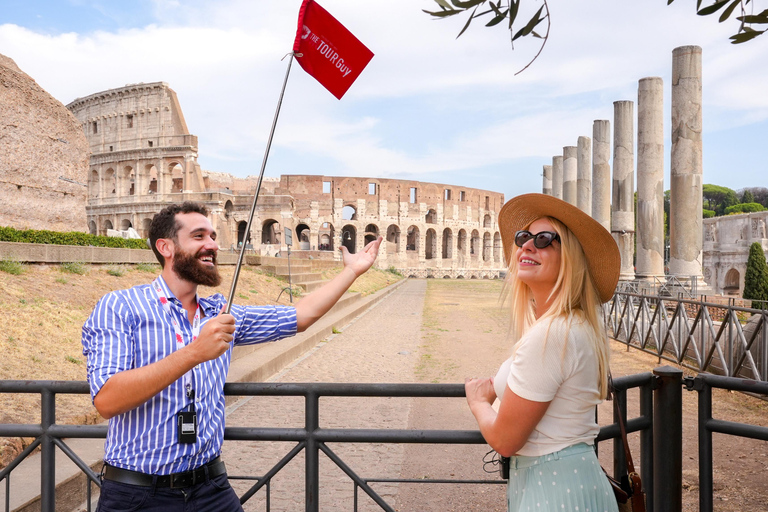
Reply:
x=116 y=271
x=34 y=236
x=756 y=276
x=74 y=267
x=744 y=208
x=707 y=214
x=153 y=268
x=393 y=270
x=12 y=267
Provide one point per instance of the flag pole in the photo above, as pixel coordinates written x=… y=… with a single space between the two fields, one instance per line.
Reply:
x=258 y=189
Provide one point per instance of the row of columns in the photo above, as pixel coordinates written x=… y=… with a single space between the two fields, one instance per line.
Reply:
x=582 y=174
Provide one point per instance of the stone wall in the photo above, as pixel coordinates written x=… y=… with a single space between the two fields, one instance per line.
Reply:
x=726 y=249
x=43 y=157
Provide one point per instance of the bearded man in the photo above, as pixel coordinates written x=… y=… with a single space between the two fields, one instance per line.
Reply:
x=158 y=357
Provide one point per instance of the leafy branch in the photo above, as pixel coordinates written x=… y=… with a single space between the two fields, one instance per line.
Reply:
x=498 y=11
x=746 y=20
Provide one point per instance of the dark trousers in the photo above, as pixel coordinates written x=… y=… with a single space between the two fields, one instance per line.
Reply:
x=213 y=495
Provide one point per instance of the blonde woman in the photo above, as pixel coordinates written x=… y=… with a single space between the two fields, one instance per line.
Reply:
x=562 y=266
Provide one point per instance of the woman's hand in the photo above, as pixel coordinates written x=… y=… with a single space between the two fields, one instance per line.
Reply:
x=479 y=390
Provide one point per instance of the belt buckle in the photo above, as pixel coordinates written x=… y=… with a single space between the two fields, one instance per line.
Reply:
x=182 y=480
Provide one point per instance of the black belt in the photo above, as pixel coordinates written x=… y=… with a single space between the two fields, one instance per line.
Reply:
x=175 y=480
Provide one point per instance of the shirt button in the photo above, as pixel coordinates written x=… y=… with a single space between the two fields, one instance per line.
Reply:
x=197 y=400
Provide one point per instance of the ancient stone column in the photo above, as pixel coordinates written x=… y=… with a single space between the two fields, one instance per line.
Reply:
x=557 y=176
x=685 y=219
x=584 y=174
x=546 y=187
x=569 y=174
x=601 y=172
x=650 y=179
x=623 y=205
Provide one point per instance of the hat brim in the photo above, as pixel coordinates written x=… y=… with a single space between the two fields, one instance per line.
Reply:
x=600 y=249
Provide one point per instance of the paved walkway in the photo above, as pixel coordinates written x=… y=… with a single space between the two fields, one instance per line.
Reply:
x=380 y=346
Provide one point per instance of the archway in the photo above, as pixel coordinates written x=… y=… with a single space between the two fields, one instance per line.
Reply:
x=371 y=233
x=349 y=213
x=461 y=243
x=93 y=184
x=128 y=181
x=732 y=284
x=177 y=178
x=393 y=239
x=349 y=237
x=125 y=225
x=145 y=224
x=497 y=247
x=486 y=246
x=92 y=228
x=325 y=237
x=430 y=249
x=110 y=183
x=269 y=232
x=431 y=217
x=447 y=244
x=152 y=181
x=474 y=244
x=107 y=226
x=241 y=227
x=302 y=238
x=487 y=221
x=412 y=239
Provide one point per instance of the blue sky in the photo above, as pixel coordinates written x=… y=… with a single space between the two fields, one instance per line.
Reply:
x=428 y=107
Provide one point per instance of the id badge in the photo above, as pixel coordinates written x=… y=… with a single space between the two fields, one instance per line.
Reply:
x=186 y=426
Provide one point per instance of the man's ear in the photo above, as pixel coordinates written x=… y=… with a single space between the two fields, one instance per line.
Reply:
x=165 y=247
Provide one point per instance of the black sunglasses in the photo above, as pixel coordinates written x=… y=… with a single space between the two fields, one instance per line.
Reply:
x=540 y=240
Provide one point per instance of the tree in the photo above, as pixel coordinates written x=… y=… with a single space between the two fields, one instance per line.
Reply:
x=509 y=10
x=747 y=197
x=719 y=198
x=756 y=277
x=759 y=194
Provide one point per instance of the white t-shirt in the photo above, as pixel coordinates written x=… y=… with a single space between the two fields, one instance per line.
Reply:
x=550 y=367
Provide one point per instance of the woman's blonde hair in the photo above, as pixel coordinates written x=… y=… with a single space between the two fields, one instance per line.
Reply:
x=574 y=293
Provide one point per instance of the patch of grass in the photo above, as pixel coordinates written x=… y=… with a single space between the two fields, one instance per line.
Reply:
x=12 y=341
x=36 y=359
x=243 y=296
x=74 y=267
x=255 y=292
x=117 y=271
x=153 y=268
x=335 y=331
x=392 y=270
x=62 y=280
x=73 y=360
x=13 y=267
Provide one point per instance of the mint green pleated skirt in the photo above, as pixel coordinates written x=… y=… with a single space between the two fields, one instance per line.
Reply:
x=569 y=480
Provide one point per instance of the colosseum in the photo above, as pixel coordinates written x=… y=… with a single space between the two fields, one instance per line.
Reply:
x=144 y=157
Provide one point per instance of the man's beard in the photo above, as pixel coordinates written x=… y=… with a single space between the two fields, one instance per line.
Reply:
x=188 y=267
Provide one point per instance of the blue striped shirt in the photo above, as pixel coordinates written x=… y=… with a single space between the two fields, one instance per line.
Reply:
x=130 y=329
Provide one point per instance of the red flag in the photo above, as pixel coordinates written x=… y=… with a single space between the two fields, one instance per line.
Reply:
x=330 y=52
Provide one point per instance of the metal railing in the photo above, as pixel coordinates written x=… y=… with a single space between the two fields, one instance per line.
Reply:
x=703 y=336
x=703 y=384
x=657 y=471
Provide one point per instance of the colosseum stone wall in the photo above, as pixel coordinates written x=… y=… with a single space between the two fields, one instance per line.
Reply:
x=143 y=157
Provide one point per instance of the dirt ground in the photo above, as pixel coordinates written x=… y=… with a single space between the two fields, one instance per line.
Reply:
x=464 y=335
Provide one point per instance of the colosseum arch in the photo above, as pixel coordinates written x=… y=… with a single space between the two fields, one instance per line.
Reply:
x=447 y=244
x=412 y=239
x=109 y=183
x=241 y=227
x=125 y=225
x=371 y=233
x=127 y=181
x=430 y=246
x=732 y=283
x=92 y=228
x=93 y=184
x=487 y=221
x=431 y=217
x=393 y=239
x=107 y=224
x=474 y=244
x=461 y=244
x=152 y=181
x=325 y=237
x=228 y=209
x=270 y=229
x=349 y=237
x=302 y=238
x=349 y=212
x=486 y=246
x=176 y=171
x=497 y=247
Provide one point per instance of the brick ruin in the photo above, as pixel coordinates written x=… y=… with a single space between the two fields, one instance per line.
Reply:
x=144 y=157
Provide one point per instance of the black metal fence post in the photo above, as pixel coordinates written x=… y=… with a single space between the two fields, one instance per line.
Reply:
x=48 y=452
x=706 y=481
x=311 y=452
x=668 y=441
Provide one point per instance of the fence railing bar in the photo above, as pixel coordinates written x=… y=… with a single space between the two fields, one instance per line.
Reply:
x=267 y=478
x=737 y=429
x=6 y=472
x=78 y=461
x=355 y=478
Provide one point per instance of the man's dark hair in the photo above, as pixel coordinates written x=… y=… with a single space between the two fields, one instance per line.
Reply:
x=165 y=225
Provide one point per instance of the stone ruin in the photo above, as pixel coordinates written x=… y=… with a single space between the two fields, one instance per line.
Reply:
x=144 y=157
x=43 y=157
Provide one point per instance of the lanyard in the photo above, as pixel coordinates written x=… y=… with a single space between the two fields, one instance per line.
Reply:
x=163 y=298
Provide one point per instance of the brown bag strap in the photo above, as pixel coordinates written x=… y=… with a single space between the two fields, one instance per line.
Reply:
x=614 y=397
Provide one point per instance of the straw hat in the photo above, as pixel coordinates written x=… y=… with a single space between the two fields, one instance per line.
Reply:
x=603 y=258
